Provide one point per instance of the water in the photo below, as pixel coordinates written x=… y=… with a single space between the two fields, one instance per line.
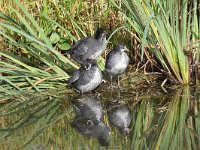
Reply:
x=48 y=121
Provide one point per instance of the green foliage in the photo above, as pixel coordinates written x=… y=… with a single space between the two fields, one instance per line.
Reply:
x=54 y=38
x=63 y=44
x=166 y=28
x=47 y=65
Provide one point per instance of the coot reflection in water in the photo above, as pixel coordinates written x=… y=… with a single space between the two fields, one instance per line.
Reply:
x=120 y=116
x=88 y=119
x=88 y=107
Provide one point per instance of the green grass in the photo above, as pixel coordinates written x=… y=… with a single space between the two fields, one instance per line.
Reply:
x=20 y=72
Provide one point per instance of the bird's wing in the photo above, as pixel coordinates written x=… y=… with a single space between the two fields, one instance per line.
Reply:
x=76 y=44
x=108 y=59
x=74 y=77
x=80 y=47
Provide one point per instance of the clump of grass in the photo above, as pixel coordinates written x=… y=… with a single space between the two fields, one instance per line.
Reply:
x=167 y=29
x=49 y=66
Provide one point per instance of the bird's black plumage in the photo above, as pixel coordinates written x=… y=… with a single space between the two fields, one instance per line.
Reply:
x=117 y=61
x=87 y=77
x=89 y=47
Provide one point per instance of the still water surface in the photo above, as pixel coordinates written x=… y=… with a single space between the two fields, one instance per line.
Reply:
x=110 y=120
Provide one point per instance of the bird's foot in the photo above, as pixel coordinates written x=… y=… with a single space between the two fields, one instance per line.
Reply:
x=119 y=87
x=112 y=86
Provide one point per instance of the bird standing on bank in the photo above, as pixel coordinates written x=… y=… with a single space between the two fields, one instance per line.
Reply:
x=87 y=77
x=89 y=47
x=117 y=61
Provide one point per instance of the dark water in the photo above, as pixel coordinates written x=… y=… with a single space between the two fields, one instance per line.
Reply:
x=149 y=119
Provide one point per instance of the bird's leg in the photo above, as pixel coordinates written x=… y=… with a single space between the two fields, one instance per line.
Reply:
x=111 y=85
x=80 y=93
x=111 y=81
x=118 y=82
x=119 y=94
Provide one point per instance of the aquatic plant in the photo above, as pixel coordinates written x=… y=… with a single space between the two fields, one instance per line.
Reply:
x=170 y=31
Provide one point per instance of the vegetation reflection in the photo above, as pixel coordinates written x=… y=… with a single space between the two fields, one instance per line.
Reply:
x=52 y=122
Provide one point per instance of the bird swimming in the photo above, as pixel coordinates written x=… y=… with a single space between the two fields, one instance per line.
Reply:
x=117 y=61
x=87 y=77
x=89 y=47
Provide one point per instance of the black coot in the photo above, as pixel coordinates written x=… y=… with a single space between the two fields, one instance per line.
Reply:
x=87 y=77
x=89 y=47
x=117 y=61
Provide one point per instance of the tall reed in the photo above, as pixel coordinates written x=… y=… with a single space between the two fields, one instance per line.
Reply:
x=166 y=29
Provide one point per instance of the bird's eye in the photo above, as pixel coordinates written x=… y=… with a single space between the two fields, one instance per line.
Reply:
x=87 y=66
